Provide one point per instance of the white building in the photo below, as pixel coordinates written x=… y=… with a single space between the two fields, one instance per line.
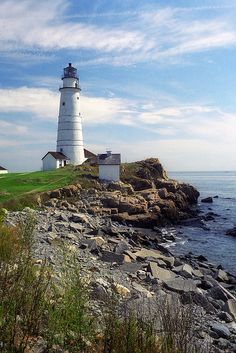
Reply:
x=54 y=160
x=109 y=166
x=3 y=170
x=69 y=133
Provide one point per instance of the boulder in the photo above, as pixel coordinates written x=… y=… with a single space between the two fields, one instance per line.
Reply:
x=181 y=285
x=133 y=205
x=55 y=194
x=198 y=299
x=144 y=254
x=159 y=272
x=220 y=329
x=190 y=193
x=143 y=291
x=184 y=270
x=207 y=200
x=121 y=290
x=230 y=307
x=217 y=293
x=80 y=218
x=131 y=267
x=222 y=276
x=122 y=187
x=108 y=256
x=231 y=232
x=121 y=247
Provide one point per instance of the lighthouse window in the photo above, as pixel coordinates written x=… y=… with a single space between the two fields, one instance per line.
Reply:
x=63 y=103
x=77 y=97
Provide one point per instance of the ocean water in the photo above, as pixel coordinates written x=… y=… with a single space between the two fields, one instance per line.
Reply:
x=214 y=244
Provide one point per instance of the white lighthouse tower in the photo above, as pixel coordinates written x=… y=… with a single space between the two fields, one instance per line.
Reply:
x=69 y=134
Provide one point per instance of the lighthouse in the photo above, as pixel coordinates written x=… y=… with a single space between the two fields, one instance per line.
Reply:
x=69 y=133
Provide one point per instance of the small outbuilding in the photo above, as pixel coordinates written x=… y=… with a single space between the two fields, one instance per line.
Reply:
x=3 y=170
x=109 y=166
x=54 y=160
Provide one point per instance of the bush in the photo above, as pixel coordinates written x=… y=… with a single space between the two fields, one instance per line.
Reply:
x=32 y=304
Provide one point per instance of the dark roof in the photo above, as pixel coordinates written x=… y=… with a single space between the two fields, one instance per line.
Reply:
x=1 y=168
x=109 y=159
x=88 y=154
x=56 y=155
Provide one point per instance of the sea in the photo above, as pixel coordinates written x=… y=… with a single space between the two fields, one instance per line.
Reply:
x=213 y=243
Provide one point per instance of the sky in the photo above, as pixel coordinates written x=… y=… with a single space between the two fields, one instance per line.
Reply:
x=158 y=79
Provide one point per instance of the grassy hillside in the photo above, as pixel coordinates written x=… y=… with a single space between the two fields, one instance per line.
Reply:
x=21 y=186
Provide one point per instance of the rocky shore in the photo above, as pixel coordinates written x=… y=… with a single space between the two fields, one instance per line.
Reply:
x=118 y=234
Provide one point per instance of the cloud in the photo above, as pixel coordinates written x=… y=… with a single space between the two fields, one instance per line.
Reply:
x=161 y=118
x=30 y=29
x=38 y=101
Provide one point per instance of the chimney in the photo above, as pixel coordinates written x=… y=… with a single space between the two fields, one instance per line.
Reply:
x=108 y=153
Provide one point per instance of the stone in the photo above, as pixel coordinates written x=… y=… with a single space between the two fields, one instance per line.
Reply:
x=231 y=232
x=76 y=227
x=220 y=329
x=197 y=273
x=98 y=292
x=108 y=256
x=217 y=293
x=184 y=270
x=98 y=240
x=120 y=186
x=159 y=272
x=222 y=276
x=121 y=247
x=141 y=290
x=230 y=307
x=207 y=200
x=180 y=285
x=225 y=316
x=80 y=218
x=131 y=267
x=130 y=254
x=121 y=290
x=198 y=299
x=155 y=254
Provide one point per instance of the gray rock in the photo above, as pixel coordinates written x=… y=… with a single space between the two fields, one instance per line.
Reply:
x=159 y=272
x=181 y=285
x=220 y=329
x=76 y=227
x=225 y=316
x=184 y=270
x=131 y=267
x=80 y=218
x=197 y=273
x=230 y=307
x=141 y=290
x=121 y=247
x=198 y=299
x=217 y=293
x=108 y=256
x=207 y=200
x=222 y=276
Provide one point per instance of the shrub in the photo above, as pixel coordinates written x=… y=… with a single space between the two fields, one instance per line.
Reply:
x=32 y=304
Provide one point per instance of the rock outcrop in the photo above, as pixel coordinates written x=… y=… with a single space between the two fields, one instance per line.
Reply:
x=145 y=197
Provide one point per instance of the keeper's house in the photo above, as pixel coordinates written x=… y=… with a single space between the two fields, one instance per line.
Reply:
x=54 y=160
x=109 y=166
x=3 y=170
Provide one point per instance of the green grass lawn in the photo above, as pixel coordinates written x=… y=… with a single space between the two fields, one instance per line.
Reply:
x=14 y=186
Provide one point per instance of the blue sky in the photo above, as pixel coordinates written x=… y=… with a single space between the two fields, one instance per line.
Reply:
x=158 y=79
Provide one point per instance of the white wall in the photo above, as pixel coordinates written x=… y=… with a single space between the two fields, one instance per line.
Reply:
x=3 y=171
x=69 y=133
x=50 y=163
x=109 y=172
